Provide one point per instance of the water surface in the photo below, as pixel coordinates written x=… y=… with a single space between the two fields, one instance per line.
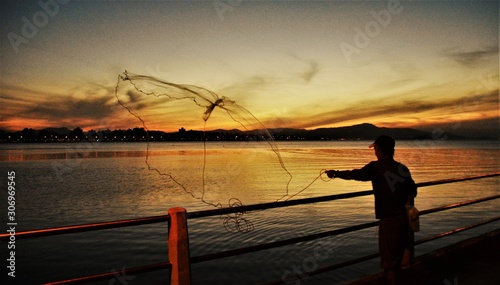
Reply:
x=65 y=184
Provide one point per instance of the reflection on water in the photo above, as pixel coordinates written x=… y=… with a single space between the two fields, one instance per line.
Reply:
x=63 y=184
x=26 y=152
x=69 y=155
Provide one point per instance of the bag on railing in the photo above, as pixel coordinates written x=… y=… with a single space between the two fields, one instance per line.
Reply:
x=413 y=218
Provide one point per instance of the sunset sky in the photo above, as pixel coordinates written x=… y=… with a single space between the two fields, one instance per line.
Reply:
x=300 y=64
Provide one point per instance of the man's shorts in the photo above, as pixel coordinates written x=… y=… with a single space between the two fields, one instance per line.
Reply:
x=392 y=240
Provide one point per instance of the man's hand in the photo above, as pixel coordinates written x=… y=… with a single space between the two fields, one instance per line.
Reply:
x=331 y=173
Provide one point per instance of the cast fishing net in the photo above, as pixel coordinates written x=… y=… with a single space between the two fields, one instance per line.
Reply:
x=217 y=180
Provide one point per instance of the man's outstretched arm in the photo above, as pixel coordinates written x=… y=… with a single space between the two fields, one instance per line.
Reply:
x=344 y=174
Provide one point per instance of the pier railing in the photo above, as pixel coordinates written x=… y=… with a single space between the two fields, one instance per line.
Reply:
x=178 y=241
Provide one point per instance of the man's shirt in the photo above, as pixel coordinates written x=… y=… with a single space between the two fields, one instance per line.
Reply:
x=392 y=186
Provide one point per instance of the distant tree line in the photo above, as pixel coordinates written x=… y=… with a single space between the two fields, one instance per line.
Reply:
x=29 y=135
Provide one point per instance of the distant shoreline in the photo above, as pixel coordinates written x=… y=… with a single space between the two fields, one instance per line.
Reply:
x=351 y=133
x=227 y=140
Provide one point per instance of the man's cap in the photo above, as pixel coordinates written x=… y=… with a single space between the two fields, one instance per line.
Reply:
x=385 y=142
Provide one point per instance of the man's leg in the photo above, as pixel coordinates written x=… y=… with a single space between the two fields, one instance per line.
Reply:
x=392 y=276
x=392 y=239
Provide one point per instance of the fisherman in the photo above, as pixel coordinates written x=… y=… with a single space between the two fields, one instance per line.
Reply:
x=393 y=188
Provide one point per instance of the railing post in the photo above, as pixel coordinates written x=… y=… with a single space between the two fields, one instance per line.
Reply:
x=178 y=247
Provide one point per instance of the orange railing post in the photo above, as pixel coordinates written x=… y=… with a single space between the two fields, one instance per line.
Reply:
x=178 y=247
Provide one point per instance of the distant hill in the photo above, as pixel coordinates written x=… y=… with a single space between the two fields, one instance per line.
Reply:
x=359 y=132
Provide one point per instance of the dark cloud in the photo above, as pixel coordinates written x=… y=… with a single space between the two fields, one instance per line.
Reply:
x=312 y=68
x=311 y=72
x=133 y=96
x=135 y=100
x=372 y=108
x=470 y=58
x=61 y=108
x=90 y=106
x=87 y=107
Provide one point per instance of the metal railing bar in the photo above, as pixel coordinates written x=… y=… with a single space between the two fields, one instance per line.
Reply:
x=86 y=227
x=115 y=274
x=259 y=247
x=320 y=270
x=457 y=230
x=304 y=275
x=279 y=204
x=457 y=205
x=452 y=180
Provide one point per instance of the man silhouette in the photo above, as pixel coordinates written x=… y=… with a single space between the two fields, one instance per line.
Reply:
x=393 y=188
